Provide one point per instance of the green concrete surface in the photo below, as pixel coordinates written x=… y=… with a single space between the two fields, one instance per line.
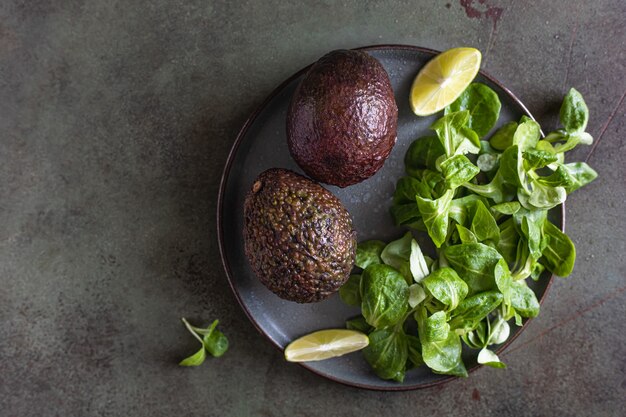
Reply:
x=116 y=118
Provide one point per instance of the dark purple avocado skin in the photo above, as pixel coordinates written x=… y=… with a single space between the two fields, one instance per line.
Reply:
x=298 y=237
x=342 y=119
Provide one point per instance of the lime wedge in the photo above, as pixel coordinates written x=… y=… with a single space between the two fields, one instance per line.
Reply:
x=325 y=344
x=443 y=79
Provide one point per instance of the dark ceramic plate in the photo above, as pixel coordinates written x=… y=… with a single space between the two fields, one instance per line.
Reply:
x=260 y=145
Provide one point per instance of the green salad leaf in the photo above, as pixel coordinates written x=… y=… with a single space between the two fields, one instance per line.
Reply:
x=387 y=353
x=560 y=254
x=196 y=359
x=384 y=295
x=359 y=324
x=483 y=105
x=350 y=292
x=458 y=170
x=398 y=252
x=213 y=341
x=435 y=216
x=423 y=154
x=455 y=136
x=441 y=354
x=503 y=137
x=474 y=262
x=574 y=113
x=368 y=253
x=445 y=285
x=484 y=225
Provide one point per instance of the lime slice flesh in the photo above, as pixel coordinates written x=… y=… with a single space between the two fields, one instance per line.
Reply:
x=443 y=79
x=325 y=344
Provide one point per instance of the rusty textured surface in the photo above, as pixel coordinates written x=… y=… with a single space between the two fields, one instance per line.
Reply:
x=116 y=120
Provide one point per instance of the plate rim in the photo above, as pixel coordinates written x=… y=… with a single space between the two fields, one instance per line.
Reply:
x=220 y=230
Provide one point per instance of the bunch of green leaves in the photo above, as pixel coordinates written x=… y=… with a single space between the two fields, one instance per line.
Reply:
x=213 y=341
x=461 y=189
x=484 y=204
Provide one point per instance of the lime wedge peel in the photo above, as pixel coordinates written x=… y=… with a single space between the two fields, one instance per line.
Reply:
x=443 y=79
x=325 y=344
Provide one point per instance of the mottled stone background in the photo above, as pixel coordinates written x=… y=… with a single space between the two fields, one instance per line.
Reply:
x=116 y=118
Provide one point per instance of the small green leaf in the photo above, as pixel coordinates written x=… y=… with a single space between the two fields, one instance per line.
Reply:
x=416 y=295
x=574 y=112
x=435 y=327
x=484 y=226
x=461 y=209
x=509 y=208
x=359 y=323
x=472 y=310
x=489 y=358
x=406 y=190
x=515 y=292
x=474 y=262
x=398 y=252
x=509 y=238
x=466 y=235
x=195 y=359
x=415 y=351
x=446 y=286
x=487 y=162
x=527 y=135
x=435 y=216
x=458 y=170
x=384 y=294
x=571 y=141
x=537 y=271
x=581 y=174
x=503 y=138
x=500 y=331
x=216 y=343
x=523 y=299
x=536 y=158
x=471 y=340
x=368 y=253
x=509 y=176
x=542 y=197
x=417 y=262
x=524 y=262
x=443 y=356
x=423 y=153
x=483 y=105
x=512 y=168
x=387 y=353
x=433 y=184
x=530 y=225
x=455 y=136
x=503 y=280
x=350 y=292
x=405 y=213
x=559 y=178
x=212 y=341
x=560 y=254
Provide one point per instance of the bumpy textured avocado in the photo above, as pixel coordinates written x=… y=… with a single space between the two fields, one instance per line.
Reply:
x=342 y=119
x=298 y=236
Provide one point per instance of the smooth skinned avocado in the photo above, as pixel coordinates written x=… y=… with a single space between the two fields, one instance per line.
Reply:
x=298 y=236
x=342 y=119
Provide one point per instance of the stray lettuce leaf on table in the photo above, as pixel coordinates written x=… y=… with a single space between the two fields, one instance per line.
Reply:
x=213 y=341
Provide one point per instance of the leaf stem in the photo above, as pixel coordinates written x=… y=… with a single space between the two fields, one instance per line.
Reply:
x=191 y=330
